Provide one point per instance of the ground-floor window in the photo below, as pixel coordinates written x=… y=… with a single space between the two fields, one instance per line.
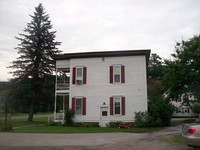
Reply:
x=117 y=105
x=79 y=105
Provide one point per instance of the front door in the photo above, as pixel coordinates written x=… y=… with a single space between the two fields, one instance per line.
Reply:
x=103 y=117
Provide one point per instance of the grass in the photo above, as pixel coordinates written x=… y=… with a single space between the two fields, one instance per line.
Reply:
x=40 y=125
x=65 y=129
x=190 y=120
x=22 y=122
x=25 y=114
x=174 y=139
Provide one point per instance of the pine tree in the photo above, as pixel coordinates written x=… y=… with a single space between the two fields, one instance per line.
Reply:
x=35 y=64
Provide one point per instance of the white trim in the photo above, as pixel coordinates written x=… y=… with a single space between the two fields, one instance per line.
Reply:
x=120 y=66
x=79 y=97
x=108 y=115
x=120 y=97
x=81 y=74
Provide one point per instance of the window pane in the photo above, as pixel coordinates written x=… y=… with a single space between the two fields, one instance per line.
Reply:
x=79 y=74
x=78 y=106
x=104 y=113
x=78 y=111
x=117 y=78
x=116 y=70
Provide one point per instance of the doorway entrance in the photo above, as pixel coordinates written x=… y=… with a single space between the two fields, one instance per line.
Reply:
x=103 y=116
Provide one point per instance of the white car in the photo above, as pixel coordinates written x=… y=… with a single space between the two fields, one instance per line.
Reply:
x=191 y=135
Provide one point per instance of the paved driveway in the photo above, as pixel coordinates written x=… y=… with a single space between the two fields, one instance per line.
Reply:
x=100 y=141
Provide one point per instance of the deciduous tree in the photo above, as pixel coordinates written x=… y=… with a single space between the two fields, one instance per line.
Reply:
x=183 y=71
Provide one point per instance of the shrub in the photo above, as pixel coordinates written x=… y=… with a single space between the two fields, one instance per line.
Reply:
x=141 y=119
x=161 y=110
x=114 y=124
x=144 y=119
x=196 y=108
x=159 y=114
x=86 y=124
x=69 y=115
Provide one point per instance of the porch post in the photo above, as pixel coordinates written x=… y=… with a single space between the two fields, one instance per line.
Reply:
x=63 y=108
x=55 y=97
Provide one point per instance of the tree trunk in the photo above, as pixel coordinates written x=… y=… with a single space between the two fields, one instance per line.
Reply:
x=31 y=111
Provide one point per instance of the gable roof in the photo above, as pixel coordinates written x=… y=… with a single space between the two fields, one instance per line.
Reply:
x=145 y=52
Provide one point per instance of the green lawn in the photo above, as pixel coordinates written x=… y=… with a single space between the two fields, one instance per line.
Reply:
x=65 y=129
x=24 y=122
x=21 y=122
x=173 y=139
x=25 y=114
x=40 y=125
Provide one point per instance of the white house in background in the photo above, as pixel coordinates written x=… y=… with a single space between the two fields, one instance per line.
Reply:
x=183 y=109
x=101 y=87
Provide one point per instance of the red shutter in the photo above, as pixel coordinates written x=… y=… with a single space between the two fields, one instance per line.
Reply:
x=84 y=106
x=111 y=74
x=74 y=76
x=73 y=105
x=111 y=105
x=122 y=74
x=84 y=75
x=123 y=106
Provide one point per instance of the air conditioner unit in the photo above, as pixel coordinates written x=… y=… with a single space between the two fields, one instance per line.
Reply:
x=78 y=82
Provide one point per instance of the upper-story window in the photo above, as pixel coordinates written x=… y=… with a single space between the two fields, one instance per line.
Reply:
x=117 y=74
x=79 y=75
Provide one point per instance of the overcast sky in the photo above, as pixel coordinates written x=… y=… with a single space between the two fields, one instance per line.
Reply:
x=100 y=25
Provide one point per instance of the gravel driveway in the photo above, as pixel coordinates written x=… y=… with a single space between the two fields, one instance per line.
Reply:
x=100 y=141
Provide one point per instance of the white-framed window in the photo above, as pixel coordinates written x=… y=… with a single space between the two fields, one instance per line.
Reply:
x=117 y=73
x=78 y=109
x=79 y=105
x=117 y=105
x=79 y=75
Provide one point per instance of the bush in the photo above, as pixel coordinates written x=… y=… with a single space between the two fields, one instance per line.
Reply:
x=69 y=115
x=161 y=110
x=159 y=114
x=144 y=119
x=114 y=124
x=86 y=124
x=196 y=108
x=141 y=119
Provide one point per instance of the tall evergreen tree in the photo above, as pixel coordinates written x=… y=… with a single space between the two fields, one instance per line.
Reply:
x=35 y=66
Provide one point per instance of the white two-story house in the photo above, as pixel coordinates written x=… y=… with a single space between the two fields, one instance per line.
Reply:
x=101 y=87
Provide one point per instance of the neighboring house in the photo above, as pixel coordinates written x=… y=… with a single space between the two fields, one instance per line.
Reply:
x=101 y=87
x=182 y=109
